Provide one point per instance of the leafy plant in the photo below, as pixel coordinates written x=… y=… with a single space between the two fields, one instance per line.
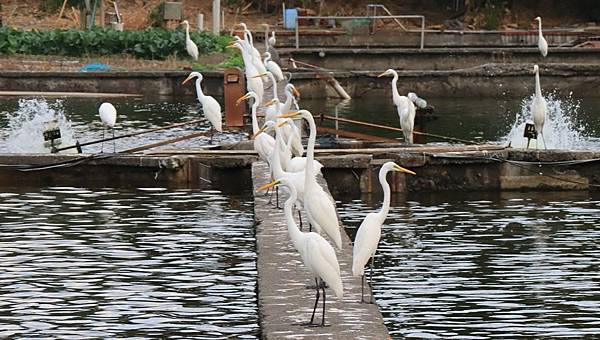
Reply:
x=151 y=43
x=233 y=60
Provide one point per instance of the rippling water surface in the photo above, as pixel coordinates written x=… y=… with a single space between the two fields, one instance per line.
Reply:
x=77 y=263
x=478 y=266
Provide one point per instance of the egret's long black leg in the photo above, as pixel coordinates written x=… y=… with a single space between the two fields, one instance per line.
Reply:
x=323 y=319
x=300 y=218
x=312 y=318
x=362 y=288
x=371 y=278
x=102 y=145
x=114 y=144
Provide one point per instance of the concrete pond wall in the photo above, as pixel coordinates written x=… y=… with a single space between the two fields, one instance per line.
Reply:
x=488 y=80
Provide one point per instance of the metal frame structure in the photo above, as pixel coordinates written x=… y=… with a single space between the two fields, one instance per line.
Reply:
x=370 y=17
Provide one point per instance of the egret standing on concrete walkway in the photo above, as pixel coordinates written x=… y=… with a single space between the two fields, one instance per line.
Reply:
x=317 y=254
x=369 y=232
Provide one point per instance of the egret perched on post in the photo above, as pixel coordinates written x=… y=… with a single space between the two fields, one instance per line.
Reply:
x=190 y=46
x=542 y=43
x=108 y=116
x=538 y=108
x=369 y=232
x=405 y=106
x=317 y=254
x=210 y=106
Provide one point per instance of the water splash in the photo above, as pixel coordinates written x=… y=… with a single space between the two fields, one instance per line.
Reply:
x=27 y=123
x=561 y=128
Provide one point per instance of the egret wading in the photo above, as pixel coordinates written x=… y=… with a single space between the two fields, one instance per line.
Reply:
x=317 y=254
x=318 y=205
x=405 y=106
x=542 y=43
x=210 y=106
x=190 y=46
x=538 y=108
x=108 y=116
x=369 y=232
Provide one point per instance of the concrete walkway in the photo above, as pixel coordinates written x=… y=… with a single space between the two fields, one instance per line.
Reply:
x=284 y=302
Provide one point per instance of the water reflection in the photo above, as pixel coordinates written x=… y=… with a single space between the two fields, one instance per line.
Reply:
x=144 y=263
x=482 y=265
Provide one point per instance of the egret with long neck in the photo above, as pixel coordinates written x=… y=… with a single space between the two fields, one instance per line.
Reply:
x=210 y=106
x=369 y=232
x=538 y=108
x=542 y=43
x=405 y=106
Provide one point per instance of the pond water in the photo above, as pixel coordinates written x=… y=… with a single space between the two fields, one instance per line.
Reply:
x=79 y=263
x=572 y=121
x=476 y=266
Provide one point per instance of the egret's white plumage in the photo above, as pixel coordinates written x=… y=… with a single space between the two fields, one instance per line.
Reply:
x=190 y=46
x=369 y=232
x=542 y=43
x=272 y=41
x=289 y=163
x=538 y=107
x=318 y=205
x=210 y=106
x=108 y=116
x=405 y=106
x=419 y=102
x=263 y=143
x=316 y=253
x=253 y=83
x=272 y=67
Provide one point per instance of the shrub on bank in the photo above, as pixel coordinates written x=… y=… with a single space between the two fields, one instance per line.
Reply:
x=151 y=43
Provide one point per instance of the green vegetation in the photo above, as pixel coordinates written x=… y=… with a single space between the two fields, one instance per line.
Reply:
x=151 y=43
x=233 y=60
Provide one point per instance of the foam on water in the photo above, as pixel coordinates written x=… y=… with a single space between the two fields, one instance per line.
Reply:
x=561 y=128
x=27 y=123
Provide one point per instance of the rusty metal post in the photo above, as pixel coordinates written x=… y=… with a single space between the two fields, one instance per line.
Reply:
x=234 y=87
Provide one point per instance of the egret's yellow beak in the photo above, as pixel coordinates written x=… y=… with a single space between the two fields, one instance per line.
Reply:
x=383 y=74
x=259 y=75
x=242 y=98
x=296 y=92
x=263 y=129
x=268 y=186
x=401 y=169
x=290 y=115
x=270 y=102
x=285 y=122
x=232 y=45
x=186 y=80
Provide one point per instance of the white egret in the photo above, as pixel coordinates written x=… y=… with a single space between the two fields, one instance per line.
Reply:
x=253 y=83
x=274 y=106
x=405 y=106
x=369 y=232
x=257 y=62
x=210 y=106
x=108 y=116
x=190 y=46
x=317 y=254
x=272 y=67
x=272 y=41
x=319 y=206
x=538 y=108
x=290 y=92
x=542 y=43
x=263 y=143
x=298 y=163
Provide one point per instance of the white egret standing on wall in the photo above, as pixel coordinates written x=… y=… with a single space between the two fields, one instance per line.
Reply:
x=108 y=116
x=318 y=204
x=317 y=254
x=272 y=67
x=405 y=106
x=210 y=106
x=369 y=232
x=542 y=43
x=190 y=46
x=538 y=108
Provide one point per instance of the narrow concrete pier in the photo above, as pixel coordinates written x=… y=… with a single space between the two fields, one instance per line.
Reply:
x=285 y=304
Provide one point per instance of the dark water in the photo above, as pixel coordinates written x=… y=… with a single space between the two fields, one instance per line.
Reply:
x=479 y=119
x=77 y=263
x=501 y=265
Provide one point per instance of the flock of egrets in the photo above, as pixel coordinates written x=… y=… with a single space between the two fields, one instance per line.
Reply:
x=278 y=142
